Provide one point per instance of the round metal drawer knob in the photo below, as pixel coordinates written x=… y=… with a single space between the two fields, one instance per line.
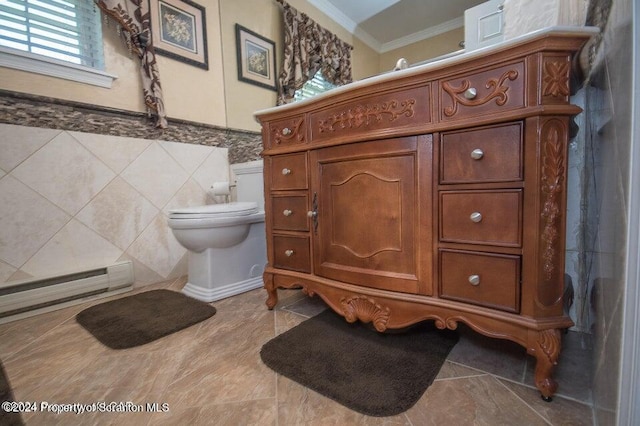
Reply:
x=476 y=217
x=474 y=279
x=312 y=214
x=471 y=93
x=287 y=212
x=288 y=253
x=477 y=154
x=286 y=171
x=286 y=131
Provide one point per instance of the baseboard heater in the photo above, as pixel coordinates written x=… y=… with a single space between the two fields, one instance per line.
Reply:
x=35 y=294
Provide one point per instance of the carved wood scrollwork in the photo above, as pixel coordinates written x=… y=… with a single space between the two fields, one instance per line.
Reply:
x=366 y=310
x=496 y=87
x=306 y=290
x=365 y=115
x=549 y=342
x=555 y=79
x=450 y=323
x=287 y=134
x=546 y=350
x=552 y=187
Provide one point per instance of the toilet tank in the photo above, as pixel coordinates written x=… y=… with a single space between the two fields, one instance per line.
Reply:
x=249 y=182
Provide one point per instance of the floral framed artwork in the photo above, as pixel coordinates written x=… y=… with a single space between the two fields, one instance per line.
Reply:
x=179 y=31
x=256 y=58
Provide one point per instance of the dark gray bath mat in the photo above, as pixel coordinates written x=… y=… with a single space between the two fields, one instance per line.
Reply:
x=142 y=318
x=377 y=374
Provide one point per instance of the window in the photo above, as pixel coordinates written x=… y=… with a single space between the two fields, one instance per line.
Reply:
x=68 y=30
x=60 y=38
x=313 y=87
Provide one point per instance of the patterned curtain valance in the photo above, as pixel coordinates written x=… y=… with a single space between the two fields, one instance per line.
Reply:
x=133 y=18
x=309 y=48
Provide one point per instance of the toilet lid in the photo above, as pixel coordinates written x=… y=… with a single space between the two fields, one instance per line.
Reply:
x=215 y=210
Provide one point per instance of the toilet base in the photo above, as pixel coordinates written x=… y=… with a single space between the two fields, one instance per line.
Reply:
x=213 y=294
x=216 y=273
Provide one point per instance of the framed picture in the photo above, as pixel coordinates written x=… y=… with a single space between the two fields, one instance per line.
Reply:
x=256 y=58
x=178 y=28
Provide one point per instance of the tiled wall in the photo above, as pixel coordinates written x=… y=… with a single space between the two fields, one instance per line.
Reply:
x=71 y=200
x=38 y=111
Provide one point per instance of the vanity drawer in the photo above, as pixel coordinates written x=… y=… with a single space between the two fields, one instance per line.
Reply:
x=488 y=154
x=490 y=91
x=290 y=131
x=291 y=252
x=481 y=217
x=482 y=279
x=288 y=171
x=290 y=212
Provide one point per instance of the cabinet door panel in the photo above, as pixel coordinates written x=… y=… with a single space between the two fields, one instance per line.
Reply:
x=368 y=226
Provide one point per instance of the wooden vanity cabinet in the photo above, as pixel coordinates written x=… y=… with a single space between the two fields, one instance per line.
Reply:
x=433 y=193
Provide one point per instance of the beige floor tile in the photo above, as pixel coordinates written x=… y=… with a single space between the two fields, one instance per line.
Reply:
x=211 y=373
x=16 y=335
x=259 y=412
x=480 y=400
x=560 y=411
x=300 y=405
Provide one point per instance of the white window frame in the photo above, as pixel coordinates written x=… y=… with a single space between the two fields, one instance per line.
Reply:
x=30 y=62
x=45 y=65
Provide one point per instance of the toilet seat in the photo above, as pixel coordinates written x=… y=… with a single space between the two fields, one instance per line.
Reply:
x=236 y=209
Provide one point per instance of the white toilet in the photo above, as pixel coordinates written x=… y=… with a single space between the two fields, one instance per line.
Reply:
x=226 y=242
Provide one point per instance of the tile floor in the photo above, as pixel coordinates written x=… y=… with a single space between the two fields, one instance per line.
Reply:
x=211 y=374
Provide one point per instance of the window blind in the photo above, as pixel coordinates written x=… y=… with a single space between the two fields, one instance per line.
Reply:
x=69 y=30
x=313 y=87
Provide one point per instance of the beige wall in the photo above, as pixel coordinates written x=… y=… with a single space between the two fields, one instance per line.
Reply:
x=242 y=99
x=117 y=62
x=422 y=50
x=190 y=93
x=365 y=60
x=216 y=96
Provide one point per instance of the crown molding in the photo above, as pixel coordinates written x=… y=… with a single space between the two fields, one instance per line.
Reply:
x=336 y=14
x=368 y=39
x=422 y=35
x=348 y=24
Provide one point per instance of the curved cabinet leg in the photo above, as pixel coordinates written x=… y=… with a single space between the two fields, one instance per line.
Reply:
x=272 y=292
x=545 y=346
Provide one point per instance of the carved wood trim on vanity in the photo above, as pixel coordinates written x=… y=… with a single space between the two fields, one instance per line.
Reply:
x=293 y=133
x=555 y=74
x=365 y=309
x=364 y=115
x=448 y=243
x=496 y=87
x=553 y=183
